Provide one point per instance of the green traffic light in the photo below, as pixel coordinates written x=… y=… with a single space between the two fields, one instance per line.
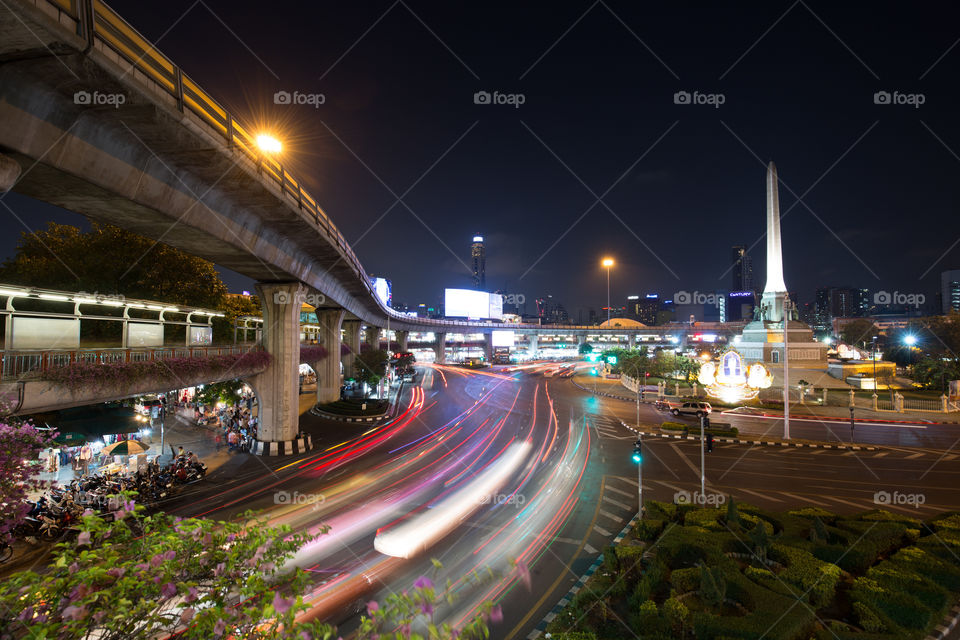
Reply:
x=637 y=458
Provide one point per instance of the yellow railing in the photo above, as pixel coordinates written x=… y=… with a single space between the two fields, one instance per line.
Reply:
x=114 y=32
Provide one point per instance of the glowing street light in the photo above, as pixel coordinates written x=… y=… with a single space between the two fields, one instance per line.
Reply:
x=910 y=340
x=268 y=143
x=608 y=262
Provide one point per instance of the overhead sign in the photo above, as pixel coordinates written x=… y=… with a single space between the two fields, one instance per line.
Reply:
x=504 y=338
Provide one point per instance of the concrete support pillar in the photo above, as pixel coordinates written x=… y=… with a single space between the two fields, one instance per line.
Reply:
x=277 y=387
x=328 y=369
x=351 y=339
x=9 y=172
x=532 y=345
x=631 y=341
x=852 y=396
x=874 y=398
x=898 y=402
x=944 y=406
x=676 y=388
x=824 y=396
x=441 y=348
x=372 y=337
x=488 y=347
x=403 y=340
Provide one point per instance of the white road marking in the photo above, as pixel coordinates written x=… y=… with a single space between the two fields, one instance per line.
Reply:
x=589 y=549
x=881 y=454
x=619 y=504
x=621 y=492
x=607 y=514
x=846 y=502
x=602 y=531
x=759 y=495
x=804 y=499
x=914 y=456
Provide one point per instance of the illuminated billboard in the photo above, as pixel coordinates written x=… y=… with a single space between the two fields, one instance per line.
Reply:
x=467 y=303
x=384 y=290
x=503 y=338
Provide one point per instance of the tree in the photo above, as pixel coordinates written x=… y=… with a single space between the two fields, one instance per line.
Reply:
x=370 y=365
x=858 y=332
x=585 y=349
x=713 y=586
x=234 y=306
x=111 y=260
x=227 y=392
x=139 y=576
x=20 y=446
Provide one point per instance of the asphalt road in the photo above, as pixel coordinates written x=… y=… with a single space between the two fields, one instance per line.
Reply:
x=484 y=468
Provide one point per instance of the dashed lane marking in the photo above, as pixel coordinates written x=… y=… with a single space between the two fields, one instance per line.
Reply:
x=607 y=514
x=620 y=491
x=764 y=496
x=804 y=499
x=602 y=531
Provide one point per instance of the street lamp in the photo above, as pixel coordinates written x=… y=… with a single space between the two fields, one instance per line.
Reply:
x=608 y=262
x=268 y=143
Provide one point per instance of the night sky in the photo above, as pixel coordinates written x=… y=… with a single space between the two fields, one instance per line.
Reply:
x=679 y=183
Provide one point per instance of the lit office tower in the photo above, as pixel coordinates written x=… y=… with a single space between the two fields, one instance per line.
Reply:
x=742 y=269
x=479 y=255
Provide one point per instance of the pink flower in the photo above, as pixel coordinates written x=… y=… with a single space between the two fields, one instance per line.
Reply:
x=83 y=538
x=372 y=607
x=219 y=628
x=423 y=582
x=168 y=590
x=186 y=615
x=496 y=614
x=280 y=604
x=116 y=572
x=191 y=594
x=218 y=571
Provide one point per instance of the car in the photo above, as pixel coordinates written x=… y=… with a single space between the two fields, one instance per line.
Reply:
x=698 y=409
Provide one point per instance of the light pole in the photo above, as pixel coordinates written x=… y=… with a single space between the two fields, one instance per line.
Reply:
x=608 y=262
x=786 y=367
x=873 y=356
x=638 y=459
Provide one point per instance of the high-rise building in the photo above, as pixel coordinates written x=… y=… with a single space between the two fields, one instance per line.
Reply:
x=950 y=291
x=839 y=302
x=644 y=308
x=479 y=255
x=742 y=269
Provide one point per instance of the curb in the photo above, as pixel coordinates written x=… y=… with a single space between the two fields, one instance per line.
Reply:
x=763 y=443
x=949 y=622
x=282 y=447
x=332 y=416
x=565 y=600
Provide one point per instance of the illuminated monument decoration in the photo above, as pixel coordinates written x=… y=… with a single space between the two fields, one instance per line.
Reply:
x=762 y=339
x=733 y=381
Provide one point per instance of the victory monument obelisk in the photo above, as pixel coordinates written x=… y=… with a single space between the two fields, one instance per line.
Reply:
x=762 y=339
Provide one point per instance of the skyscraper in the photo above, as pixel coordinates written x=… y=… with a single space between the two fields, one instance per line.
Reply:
x=742 y=269
x=950 y=291
x=479 y=255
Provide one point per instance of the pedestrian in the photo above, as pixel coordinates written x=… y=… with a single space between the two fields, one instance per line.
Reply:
x=219 y=439
x=86 y=454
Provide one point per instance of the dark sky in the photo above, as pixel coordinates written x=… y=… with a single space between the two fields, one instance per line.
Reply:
x=680 y=183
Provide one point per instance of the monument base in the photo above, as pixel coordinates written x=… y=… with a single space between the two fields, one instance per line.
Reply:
x=763 y=342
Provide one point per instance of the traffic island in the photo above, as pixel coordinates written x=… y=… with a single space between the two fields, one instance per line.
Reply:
x=682 y=431
x=737 y=571
x=354 y=410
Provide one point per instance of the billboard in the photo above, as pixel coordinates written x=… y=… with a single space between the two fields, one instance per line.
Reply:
x=467 y=303
x=144 y=334
x=503 y=338
x=45 y=333
x=384 y=290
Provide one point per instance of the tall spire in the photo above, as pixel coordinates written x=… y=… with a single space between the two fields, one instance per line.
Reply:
x=774 y=282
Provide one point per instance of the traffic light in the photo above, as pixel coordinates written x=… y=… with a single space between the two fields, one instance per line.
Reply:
x=709 y=442
x=638 y=452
